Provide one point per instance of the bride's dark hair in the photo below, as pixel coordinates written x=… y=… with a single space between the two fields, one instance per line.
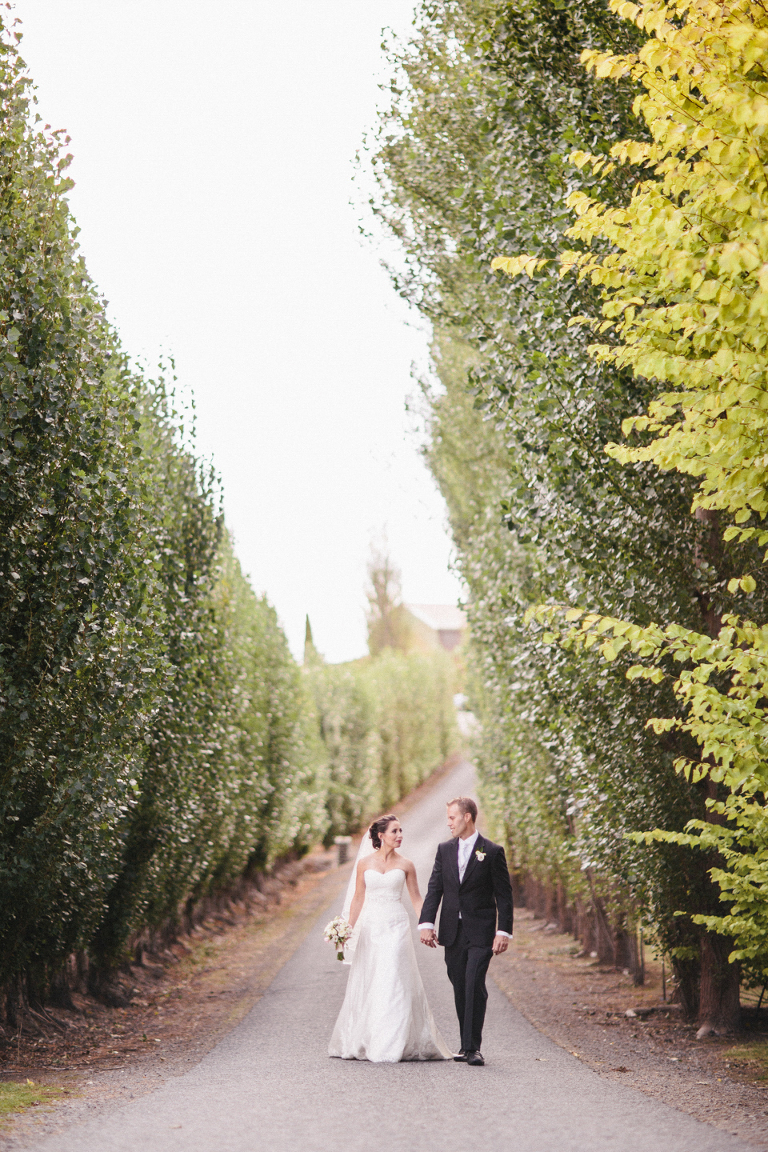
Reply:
x=378 y=827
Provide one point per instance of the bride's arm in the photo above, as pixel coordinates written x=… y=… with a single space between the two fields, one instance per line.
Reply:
x=358 y=899
x=412 y=883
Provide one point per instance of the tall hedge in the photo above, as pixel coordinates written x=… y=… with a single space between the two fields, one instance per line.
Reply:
x=80 y=649
x=489 y=98
x=157 y=739
x=387 y=722
x=684 y=299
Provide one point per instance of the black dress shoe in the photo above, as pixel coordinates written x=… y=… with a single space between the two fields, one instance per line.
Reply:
x=461 y=1056
x=475 y=1058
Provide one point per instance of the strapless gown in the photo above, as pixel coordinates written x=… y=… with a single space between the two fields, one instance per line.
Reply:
x=385 y=1016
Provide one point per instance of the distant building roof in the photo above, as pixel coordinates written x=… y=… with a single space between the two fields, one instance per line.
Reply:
x=439 y=617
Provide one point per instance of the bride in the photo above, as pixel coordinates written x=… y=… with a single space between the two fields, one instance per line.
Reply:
x=385 y=1016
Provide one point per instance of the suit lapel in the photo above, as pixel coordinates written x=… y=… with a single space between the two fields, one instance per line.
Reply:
x=453 y=854
x=472 y=862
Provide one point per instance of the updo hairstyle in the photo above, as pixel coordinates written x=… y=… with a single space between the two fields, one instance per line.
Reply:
x=378 y=827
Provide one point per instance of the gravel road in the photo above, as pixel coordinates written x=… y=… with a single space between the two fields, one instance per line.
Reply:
x=270 y=1086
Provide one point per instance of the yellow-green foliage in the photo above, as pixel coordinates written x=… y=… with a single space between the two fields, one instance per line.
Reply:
x=685 y=277
x=684 y=271
x=731 y=729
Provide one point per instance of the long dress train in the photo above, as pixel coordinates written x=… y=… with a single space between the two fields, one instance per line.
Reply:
x=385 y=1016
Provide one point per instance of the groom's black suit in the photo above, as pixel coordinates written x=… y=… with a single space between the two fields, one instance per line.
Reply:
x=468 y=924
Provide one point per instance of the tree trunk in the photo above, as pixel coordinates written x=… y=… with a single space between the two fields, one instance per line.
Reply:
x=719 y=1009
x=103 y=984
x=60 y=989
x=686 y=986
x=638 y=958
x=709 y=550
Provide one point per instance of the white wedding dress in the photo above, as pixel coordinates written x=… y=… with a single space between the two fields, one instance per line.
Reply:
x=385 y=1016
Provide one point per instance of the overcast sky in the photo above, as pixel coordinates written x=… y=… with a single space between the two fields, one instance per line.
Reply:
x=214 y=154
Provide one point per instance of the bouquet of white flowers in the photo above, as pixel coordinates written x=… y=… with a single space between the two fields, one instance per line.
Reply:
x=337 y=933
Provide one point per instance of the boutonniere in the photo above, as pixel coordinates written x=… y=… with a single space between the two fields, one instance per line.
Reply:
x=480 y=855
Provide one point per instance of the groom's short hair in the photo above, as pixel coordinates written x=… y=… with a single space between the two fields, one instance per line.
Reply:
x=466 y=805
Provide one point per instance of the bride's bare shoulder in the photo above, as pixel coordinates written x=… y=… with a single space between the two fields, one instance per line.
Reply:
x=407 y=865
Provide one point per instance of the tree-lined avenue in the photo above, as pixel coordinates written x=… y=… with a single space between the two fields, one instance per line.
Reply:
x=270 y=1084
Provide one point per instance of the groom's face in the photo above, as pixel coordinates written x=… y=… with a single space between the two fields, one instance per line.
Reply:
x=457 y=821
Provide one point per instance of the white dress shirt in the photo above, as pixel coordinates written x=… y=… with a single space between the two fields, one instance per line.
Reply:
x=466 y=848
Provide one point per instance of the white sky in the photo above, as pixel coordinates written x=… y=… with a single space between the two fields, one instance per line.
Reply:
x=213 y=158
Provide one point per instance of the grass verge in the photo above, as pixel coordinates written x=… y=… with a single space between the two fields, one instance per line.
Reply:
x=17 y=1096
x=752 y=1058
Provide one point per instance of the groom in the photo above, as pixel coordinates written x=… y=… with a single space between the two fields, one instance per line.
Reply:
x=471 y=878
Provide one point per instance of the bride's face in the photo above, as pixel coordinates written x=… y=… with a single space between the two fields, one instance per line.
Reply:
x=393 y=837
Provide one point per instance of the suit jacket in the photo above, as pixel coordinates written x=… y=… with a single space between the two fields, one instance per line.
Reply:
x=484 y=893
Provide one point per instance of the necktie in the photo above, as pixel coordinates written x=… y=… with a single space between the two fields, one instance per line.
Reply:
x=463 y=859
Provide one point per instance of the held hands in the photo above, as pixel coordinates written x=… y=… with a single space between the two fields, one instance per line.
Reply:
x=429 y=937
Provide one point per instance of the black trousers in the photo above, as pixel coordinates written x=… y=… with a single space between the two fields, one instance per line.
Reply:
x=467 y=966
